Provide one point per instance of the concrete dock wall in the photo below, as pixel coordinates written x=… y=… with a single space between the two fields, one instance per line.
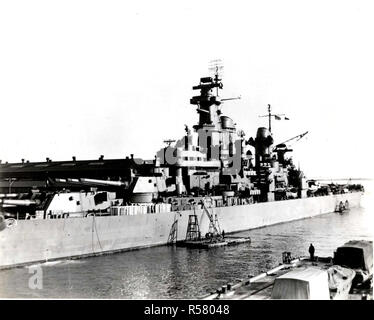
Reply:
x=42 y=240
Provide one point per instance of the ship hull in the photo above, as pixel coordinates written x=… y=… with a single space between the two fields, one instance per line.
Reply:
x=31 y=241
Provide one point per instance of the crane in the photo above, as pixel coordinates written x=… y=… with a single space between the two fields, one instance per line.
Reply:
x=298 y=137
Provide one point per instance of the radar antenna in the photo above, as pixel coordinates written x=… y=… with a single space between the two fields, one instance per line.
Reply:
x=169 y=142
x=216 y=68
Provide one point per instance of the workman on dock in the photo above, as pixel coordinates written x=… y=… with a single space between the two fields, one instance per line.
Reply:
x=311 y=252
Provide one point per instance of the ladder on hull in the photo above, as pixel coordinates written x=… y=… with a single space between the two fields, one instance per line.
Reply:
x=173 y=235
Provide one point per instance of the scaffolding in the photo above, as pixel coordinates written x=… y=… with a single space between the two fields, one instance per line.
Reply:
x=193 y=229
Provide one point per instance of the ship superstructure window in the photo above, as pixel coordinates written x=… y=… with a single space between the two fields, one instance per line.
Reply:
x=209 y=148
x=96 y=163
x=231 y=149
x=68 y=165
x=100 y=198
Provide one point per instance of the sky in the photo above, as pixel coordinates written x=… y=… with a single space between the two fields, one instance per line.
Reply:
x=114 y=78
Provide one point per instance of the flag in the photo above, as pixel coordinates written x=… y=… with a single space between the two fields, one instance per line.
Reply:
x=280 y=117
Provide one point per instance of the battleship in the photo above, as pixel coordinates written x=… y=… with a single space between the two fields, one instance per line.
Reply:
x=212 y=181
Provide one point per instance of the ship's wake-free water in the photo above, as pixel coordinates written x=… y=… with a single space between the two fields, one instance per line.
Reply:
x=170 y=272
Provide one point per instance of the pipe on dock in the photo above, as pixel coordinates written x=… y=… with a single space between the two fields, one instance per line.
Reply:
x=258 y=277
x=275 y=269
x=211 y=296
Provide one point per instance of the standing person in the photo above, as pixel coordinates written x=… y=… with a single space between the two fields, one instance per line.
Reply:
x=311 y=252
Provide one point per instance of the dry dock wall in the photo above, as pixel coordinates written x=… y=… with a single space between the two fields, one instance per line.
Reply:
x=41 y=240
